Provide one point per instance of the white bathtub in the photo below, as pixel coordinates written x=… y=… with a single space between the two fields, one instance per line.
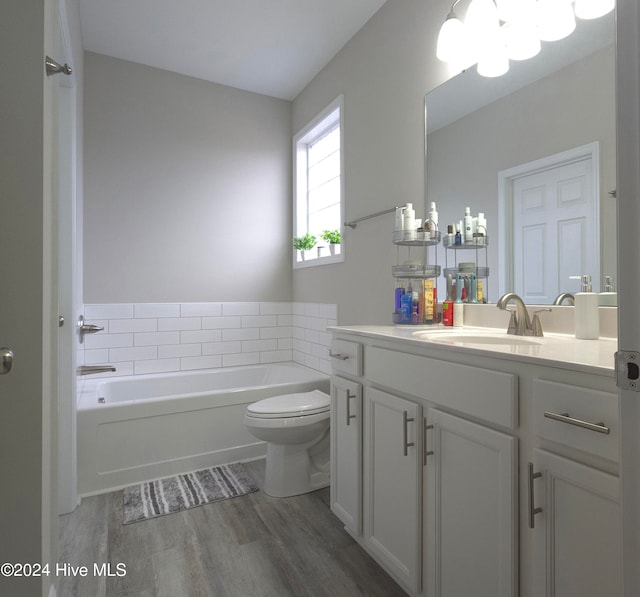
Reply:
x=132 y=429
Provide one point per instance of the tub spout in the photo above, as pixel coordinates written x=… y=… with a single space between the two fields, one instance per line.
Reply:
x=92 y=369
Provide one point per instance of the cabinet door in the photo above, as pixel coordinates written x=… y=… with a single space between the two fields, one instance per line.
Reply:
x=393 y=481
x=346 y=452
x=577 y=531
x=471 y=500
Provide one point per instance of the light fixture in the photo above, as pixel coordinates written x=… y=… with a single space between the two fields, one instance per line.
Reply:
x=496 y=31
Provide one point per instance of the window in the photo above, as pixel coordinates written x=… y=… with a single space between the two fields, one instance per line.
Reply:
x=318 y=185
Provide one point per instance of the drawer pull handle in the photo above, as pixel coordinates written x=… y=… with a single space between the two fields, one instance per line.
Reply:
x=532 y=509
x=405 y=432
x=341 y=357
x=566 y=418
x=349 y=415
x=426 y=452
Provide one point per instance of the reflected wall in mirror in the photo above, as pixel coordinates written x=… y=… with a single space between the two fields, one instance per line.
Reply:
x=477 y=128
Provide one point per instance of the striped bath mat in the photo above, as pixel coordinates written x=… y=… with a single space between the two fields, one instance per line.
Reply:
x=173 y=494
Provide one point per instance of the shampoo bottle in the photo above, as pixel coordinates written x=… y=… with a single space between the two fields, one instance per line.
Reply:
x=399 y=219
x=468 y=224
x=458 y=306
x=433 y=218
x=409 y=222
x=587 y=317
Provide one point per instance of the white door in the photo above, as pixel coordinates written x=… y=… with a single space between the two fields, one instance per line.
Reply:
x=551 y=230
x=577 y=531
x=393 y=483
x=28 y=320
x=471 y=500
x=628 y=196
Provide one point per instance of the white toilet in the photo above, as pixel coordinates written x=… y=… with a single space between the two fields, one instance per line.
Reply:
x=296 y=429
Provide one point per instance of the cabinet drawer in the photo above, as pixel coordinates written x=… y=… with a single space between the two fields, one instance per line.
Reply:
x=346 y=357
x=488 y=395
x=578 y=417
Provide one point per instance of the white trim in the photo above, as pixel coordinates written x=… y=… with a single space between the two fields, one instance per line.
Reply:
x=310 y=130
x=505 y=203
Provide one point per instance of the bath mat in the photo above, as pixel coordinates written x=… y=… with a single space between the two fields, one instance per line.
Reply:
x=173 y=494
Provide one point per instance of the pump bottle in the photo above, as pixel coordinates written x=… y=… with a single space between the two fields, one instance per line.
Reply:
x=586 y=314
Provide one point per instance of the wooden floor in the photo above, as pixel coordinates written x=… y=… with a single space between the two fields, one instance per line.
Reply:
x=249 y=546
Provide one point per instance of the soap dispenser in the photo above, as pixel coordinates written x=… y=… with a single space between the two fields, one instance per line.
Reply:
x=608 y=297
x=587 y=317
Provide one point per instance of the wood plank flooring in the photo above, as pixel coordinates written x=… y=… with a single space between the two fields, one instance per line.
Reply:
x=249 y=546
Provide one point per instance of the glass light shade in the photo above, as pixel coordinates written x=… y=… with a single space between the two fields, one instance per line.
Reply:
x=452 y=43
x=555 y=19
x=593 y=9
x=515 y=10
x=481 y=22
x=521 y=40
x=493 y=61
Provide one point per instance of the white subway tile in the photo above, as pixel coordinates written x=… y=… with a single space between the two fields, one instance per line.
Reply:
x=139 y=353
x=297 y=308
x=302 y=346
x=285 y=343
x=324 y=338
x=311 y=336
x=108 y=311
x=190 y=337
x=216 y=323
x=322 y=352
x=328 y=311
x=157 y=310
x=118 y=326
x=96 y=357
x=221 y=348
x=298 y=333
x=285 y=320
x=124 y=368
x=275 y=308
x=179 y=323
x=240 y=309
x=205 y=362
x=236 y=360
x=200 y=309
x=259 y=321
x=278 y=332
x=312 y=309
x=241 y=334
x=102 y=340
x=259 y=345
x=275 y=356
x=156 y=366
x=156 y=338
x=174 y=351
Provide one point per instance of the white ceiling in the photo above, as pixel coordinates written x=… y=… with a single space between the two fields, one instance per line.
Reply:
x=273 y=47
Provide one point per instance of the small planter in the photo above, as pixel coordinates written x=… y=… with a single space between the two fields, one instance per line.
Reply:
x=334 y=248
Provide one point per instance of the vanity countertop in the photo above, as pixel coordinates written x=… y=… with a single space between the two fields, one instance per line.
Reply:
x=557 y=350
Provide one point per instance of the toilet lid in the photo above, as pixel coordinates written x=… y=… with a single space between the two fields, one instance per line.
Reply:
x=290 y=405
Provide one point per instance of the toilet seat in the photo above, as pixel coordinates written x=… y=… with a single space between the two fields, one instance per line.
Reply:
x=290 y=405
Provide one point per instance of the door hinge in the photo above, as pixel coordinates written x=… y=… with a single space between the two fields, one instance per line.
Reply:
x=628 y=370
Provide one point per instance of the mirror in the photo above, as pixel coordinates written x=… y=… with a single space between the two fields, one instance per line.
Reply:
x=477 y=127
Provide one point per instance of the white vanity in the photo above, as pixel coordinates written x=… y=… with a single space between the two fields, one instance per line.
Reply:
x=470 y=463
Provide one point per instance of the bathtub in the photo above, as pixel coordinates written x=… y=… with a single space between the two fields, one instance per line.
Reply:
x=135 y=428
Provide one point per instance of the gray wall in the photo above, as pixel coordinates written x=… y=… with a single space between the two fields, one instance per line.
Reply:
x=186 y=188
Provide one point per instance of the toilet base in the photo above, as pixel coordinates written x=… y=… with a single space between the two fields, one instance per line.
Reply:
x=294 y=469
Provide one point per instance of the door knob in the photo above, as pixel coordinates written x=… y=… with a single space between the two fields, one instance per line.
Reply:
x=6 y=360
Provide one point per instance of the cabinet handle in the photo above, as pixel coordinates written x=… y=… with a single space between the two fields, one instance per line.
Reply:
x=532 y=509
x=341 y=357
x=426 y=452
x=349 y=415
x=566 y=418
x=405 y=432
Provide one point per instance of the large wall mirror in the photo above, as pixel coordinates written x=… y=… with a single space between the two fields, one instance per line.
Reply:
x=481 y=132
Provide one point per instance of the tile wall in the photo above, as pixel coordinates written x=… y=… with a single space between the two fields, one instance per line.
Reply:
x=141 y=338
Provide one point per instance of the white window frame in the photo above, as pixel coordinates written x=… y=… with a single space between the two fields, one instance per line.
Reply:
x=301 y=140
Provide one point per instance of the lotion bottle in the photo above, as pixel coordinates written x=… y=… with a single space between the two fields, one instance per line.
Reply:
x=468 y=224
x=458 y=305
x=433 y=218
x=586 y=315
x=409 y=222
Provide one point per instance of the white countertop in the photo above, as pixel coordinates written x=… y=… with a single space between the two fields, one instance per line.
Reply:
x=556 y=350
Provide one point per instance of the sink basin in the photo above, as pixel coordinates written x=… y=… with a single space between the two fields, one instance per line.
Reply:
x=479 y=338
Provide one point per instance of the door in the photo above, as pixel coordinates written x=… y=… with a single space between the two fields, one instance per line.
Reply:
x=393 y=483
x=577 y=530
x=28 y=324
x=471 y=500
x=628 y=197
x=346 y=452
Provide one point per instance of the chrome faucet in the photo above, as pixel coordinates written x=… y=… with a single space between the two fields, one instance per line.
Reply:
x=565 y=296
x=520 y=323
x=90 y=369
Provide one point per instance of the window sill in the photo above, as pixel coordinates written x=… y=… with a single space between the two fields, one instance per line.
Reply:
x=316 y=261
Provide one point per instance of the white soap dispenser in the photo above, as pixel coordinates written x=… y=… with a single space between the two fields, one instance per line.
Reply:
x=608 y=297
x=586 y=314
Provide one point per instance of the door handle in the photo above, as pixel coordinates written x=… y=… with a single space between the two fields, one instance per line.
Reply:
x=406 y=444
x=6 y=360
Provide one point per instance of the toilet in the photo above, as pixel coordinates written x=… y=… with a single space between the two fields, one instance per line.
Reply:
x=296 y=429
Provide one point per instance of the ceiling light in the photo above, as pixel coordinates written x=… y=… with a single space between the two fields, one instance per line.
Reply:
x=593 y=9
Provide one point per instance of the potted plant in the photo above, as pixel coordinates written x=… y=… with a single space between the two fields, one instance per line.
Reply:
x=333 y=238
x=304 y=243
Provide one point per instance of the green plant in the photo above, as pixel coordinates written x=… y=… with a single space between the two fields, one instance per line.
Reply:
x=331 y=236
x=304 y=243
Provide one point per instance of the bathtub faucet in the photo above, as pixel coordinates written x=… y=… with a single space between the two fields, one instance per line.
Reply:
x=90 y=369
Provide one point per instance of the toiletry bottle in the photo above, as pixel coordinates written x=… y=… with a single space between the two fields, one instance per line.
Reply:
x=405 y=307
x=473 y=290
x=433 y=218
x=415 y=302
x=409 y=222
x=399 y=219
x=586 y=315
x=481 y=228
x=608 y=297
x=450 y=235
x=458 y=237
x=398 y=296
x=468 y=225
x=447 y=305
x=458 y=306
